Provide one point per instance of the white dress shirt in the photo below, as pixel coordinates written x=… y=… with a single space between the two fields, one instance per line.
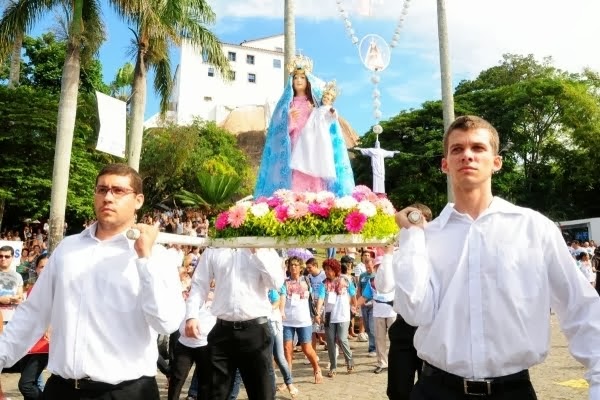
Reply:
x=206 y=320
x=105 y=306
x=481 y=290
x=242 y=282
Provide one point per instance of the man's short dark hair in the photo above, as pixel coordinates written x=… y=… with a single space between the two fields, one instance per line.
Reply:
x=311 y=261
x=120 y=169
x=8 y=248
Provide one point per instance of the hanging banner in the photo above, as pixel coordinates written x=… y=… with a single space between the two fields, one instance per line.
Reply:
x=18 y=248
x=113 y=124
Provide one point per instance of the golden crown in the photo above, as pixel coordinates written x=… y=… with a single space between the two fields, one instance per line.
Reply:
x=331 y=88
x=300 y=64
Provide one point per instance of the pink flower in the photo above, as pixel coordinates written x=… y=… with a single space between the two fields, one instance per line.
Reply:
x=273 y=202
x=362 y=189
x=261 y=199
x=281 y=213
x=328 y=203
x=319 y=209
x=358 y=196
x=237 y=216
x=372 y=197
x=222 y=221
x=355 y=221
x=297 y=210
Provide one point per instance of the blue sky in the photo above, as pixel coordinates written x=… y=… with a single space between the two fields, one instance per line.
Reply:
x=480 y=32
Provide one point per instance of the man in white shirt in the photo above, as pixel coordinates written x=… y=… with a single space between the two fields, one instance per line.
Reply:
x=11 y=284
x=478 y=281
x=106 y=297
x=241 y=337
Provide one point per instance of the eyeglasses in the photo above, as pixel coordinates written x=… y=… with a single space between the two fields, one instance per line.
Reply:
x=294 y=265
x=6 y=256
x=116 y=191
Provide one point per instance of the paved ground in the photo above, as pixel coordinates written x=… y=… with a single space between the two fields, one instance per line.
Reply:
x=559 y=378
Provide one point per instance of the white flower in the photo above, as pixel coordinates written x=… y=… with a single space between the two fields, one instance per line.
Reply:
x=367 y=208
x=259 y=210
x=245 y=204
x=284 y=194
x=386 y=206
x=346 y=202
x=324 y=195
x=310 y=197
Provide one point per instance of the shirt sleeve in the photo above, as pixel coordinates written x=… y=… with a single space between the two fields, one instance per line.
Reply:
x=200 y=285
x=577 y=306
x=160 y=291
x=414 y=297
x=384 y=278
x=31 y=318
x=273 y=296
x=283 y=290
x=351 y=289
x=322 y=291
x=268 y=263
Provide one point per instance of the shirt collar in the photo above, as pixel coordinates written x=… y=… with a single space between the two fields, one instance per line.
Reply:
x=498 y=205
x=90 y=232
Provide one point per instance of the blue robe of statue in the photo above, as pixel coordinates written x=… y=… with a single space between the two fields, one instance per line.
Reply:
x=275 y=173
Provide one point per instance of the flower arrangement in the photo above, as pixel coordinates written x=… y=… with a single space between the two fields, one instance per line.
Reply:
x=309 y=215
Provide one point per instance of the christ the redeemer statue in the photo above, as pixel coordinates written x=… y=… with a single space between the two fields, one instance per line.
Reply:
x=377 y=155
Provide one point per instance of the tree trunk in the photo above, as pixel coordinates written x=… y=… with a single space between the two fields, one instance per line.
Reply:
x=67 y=112
x=15 y=62
x=138 y=107
x=289 y=25
x=2 y=206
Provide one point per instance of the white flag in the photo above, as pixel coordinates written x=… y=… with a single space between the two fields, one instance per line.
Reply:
x=113 y=125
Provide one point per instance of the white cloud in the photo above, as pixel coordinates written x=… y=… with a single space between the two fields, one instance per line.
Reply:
x=480 y=31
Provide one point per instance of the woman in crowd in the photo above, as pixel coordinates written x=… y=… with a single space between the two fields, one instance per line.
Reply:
x=337 y=294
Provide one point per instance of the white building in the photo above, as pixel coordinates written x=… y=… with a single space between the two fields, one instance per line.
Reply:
x=199 y=91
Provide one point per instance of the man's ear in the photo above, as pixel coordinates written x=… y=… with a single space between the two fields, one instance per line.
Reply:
x=444 y=166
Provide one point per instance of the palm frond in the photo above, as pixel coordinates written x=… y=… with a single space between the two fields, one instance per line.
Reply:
x=190 y=199
x=94 y=32
x=19 y=17
x=163 y=82
x=217 y=189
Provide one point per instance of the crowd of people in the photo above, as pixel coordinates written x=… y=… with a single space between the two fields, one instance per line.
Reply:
x=464 y=299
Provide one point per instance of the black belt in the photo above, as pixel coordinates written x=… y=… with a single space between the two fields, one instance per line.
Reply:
x=389 y=303
x=88 y=385
x=238 y=325
x=476 y=387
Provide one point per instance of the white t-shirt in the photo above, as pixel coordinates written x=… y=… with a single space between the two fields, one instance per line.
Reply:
x=383 y=310
x=296 y=296
x=359 y=269
x=10 y=282
x=337 y=298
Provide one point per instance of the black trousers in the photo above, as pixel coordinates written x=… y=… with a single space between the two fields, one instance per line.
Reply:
x=32 y=366
x=184 y=358
x=430 y=388
x=403 y=362
x=144 y=388
x=249 y=350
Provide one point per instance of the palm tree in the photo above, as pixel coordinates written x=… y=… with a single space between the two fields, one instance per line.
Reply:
x=121 y=86
x=159 y=26
x=216 y=191
x=85 y=34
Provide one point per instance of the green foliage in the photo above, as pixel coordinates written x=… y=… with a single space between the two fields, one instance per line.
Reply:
x=551 y=118
x=183 y=158
x=27 y=138
x=216 y=190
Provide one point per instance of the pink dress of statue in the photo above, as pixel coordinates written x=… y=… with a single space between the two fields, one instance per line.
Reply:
x=302 y=182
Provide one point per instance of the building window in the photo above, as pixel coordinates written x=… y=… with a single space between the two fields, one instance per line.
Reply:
x=279 y=49
x=207 y=98
x=231 y=56
x=204 y=56
x=252 y=78
x=211 y=71
x=276 y=63
x=250 y=59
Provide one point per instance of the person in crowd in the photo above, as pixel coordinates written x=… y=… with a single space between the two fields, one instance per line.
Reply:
x=479 y=280
x=336 y=295
x=596 y=267
x=241 y=337
x=101 y=290
x=11 y=285
x=585 y=266
x=297 y=319
x=34 y=363
x=366 y=308
x=278 y=303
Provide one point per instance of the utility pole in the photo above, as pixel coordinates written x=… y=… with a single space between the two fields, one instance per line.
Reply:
x=446 y=74
x=289 y=22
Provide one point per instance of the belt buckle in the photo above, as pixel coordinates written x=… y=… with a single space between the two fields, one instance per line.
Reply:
x=485 y=384
x=77 y=384
x=237 y=325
